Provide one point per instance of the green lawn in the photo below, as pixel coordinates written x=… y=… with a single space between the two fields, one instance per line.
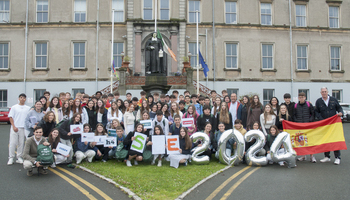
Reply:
x=152 y=182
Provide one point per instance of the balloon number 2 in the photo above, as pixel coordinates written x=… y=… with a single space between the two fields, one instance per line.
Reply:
x=196 y=159
x=251 y=158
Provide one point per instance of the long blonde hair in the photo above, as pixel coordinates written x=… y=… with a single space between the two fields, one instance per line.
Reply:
x=280 y=114
x=270 y=113
x=224 y=115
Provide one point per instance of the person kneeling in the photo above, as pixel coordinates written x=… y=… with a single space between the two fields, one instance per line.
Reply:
x=128 y=141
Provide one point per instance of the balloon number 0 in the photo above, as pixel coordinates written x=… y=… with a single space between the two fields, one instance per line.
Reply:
x=200 y=160
x=238 y=154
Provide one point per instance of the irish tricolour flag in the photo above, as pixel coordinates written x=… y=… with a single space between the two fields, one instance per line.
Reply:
x=166 y=48
x=316 y=137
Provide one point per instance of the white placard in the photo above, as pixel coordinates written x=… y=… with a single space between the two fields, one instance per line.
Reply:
x=147 y=124
x=100 y=140
x=110 y=142
x=187 y=122
x=76 y=129
x=88 y=137
x=33 y=119
x=63 y=149
x=139 y=143
x=158 y=144
x=173 y=146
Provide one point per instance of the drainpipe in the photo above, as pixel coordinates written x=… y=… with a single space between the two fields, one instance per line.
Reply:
x=26 y=49
x=214 y=67
x=291 y=49
x=97 y=41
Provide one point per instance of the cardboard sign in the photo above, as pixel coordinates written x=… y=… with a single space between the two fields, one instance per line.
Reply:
x=139 y=143
x=76 y=129
x=63 y=149
x=112 y=133
x=110 y=142
x=88 y=137
x=147 y=124
x=173 y=145
x=158 y=146
x=100 y=140
x=187 y=122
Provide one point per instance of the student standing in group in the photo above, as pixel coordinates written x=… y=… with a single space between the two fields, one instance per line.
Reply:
x=84 y=149
x=44 y=103
x=289 y=104
x=224 y=93
x=121 y=106
x=129 y=119
x=191 y=113
x=77 y=108
x=17 y=116
x=152 y=113
x=114 y=113
x=254 y=111
x=216 y=106
x=161 y=121
x=198 y=106
x=92 y=115
x=129 y=97
x=150 y=101
x=224 y=116
x=275 y=105
x=126 y=105
x=159 y=105
x=174 y=129
x=235 y=107
x=85 y=100
x=101 y=151
x=105 y=101
x=54 y=139
x=175 y=110
x=101 y=112
x=55 y=107
x=67 y=113
x=187 y=101
x=182 y=106
x=33 y=118
x=205 y=118
x=135 y=101
x=48 y=123
x=267 y=119
x=47 y=95
x=186 y=145
x=282 y=115
x=144 y=106
x=245 y=108
x=166 y=113
x=128 y=141
x=157 y=131
x=156 y=97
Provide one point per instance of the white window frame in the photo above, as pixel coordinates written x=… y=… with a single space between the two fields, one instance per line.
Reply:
x=75 y=91
x=41 y=11
x=300 y=16
x=194 y=55
x=231 y=13
x=267 y=100
x=5 y=12
x=47 y=54
x=307 y=93
x=261 y=14
x=330 y=56
x=118 y=10
x=160 y=9
x=340 y=91
x=80 y=11
x=2 y=100
x=143 y=10
x=116 y=55
x=74 y=42
x=232 y=90
x=6 y=56
x=332 y=17
x=232 y=56
x=262 y=56
x=307 y=57
x=199 y=13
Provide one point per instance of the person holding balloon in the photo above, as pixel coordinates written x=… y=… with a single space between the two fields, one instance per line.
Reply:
x=269 y=140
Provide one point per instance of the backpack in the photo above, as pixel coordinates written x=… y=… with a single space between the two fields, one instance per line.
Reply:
x=45 y=155
x=307 y=103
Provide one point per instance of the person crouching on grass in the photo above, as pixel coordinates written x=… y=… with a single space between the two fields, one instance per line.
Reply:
x=128 y=141
x=269 y=140
x=185 y=149
x=84 y=149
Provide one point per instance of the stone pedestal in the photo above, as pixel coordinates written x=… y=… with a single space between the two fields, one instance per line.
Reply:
x=122 y=77
x=156 y=84
x=189 y=85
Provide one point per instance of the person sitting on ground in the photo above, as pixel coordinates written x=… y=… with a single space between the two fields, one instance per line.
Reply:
x=269 y=140
x=100 y=149
x=84 y=149
x=229 y=144
x=120 y=138
x=186 y=145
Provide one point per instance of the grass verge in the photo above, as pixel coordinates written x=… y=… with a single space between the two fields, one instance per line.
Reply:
x=152 y=182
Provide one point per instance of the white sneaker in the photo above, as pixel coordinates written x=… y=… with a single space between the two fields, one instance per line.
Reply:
x=128 y=163
x=337 y=161
x=90 y=159
x=136 y=163
x=159 y=163
x=281 y=163
x=79 y=160
x=53 y=165
x=302 y=158
x=10 y=162
x=325 y=159
x=313 y=159
x=19 y=161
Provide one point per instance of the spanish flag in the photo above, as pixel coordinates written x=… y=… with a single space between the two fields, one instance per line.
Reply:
x=316 y=137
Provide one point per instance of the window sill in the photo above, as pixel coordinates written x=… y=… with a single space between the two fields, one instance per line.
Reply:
x=303 y=70
x=117 y=68
x=78 y=69
x=334 y=1
x=37 y=70
x=339 y=71
x=228 y=69
x=268 y=70
x=5 y=70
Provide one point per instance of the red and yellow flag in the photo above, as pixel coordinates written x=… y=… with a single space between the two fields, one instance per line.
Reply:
x=316 y=137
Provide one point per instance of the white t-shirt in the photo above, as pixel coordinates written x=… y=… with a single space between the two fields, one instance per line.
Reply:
x=19 y=114
x=233 y=111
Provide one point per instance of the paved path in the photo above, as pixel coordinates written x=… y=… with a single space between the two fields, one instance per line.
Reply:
x=59 y=183
x=306 y=181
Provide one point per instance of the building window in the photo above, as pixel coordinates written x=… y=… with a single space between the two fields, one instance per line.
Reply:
x=267 y=95
x=335 y=58
x=300 y=13
x=267 y=56
x=231 y=91
x=333 y=17
x=338 y=94
x=118 y=49
x=42 y=11
x=3 y=98
x=302 y=57
x=79 y=55
x=148 y=9
x=38 y=93
x=266 y=13
x=231 y=56
x=118 y=6
x=231 y=12
x=4 y=11
x=193 y=6
x=4 y=55
x=80 y=11
x=76 y=91
x=306 y=91
x=164 y=10
x=40 y=55
x=192 y=48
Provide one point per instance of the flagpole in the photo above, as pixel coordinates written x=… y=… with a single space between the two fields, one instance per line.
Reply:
x=155 y=15
x=112 y=51
x=197 y=54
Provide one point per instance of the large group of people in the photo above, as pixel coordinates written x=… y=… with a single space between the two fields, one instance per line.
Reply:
x=48 y=122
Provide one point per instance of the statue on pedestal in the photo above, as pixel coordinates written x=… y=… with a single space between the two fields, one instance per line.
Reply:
x=155 y=58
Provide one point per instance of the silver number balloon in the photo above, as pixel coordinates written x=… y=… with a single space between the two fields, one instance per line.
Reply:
x=238 y=153
x=250 y=155
x=200 y=160
x=289 y=155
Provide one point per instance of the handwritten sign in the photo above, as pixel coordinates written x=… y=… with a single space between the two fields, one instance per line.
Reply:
x=76 y=129
x=147 y=124
x=173 y=145
x=100 y=140
x=63 y=149
x=110 y=142
x=88 y=137
x=139 y=143
x=158 y=144
x=187 y=122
